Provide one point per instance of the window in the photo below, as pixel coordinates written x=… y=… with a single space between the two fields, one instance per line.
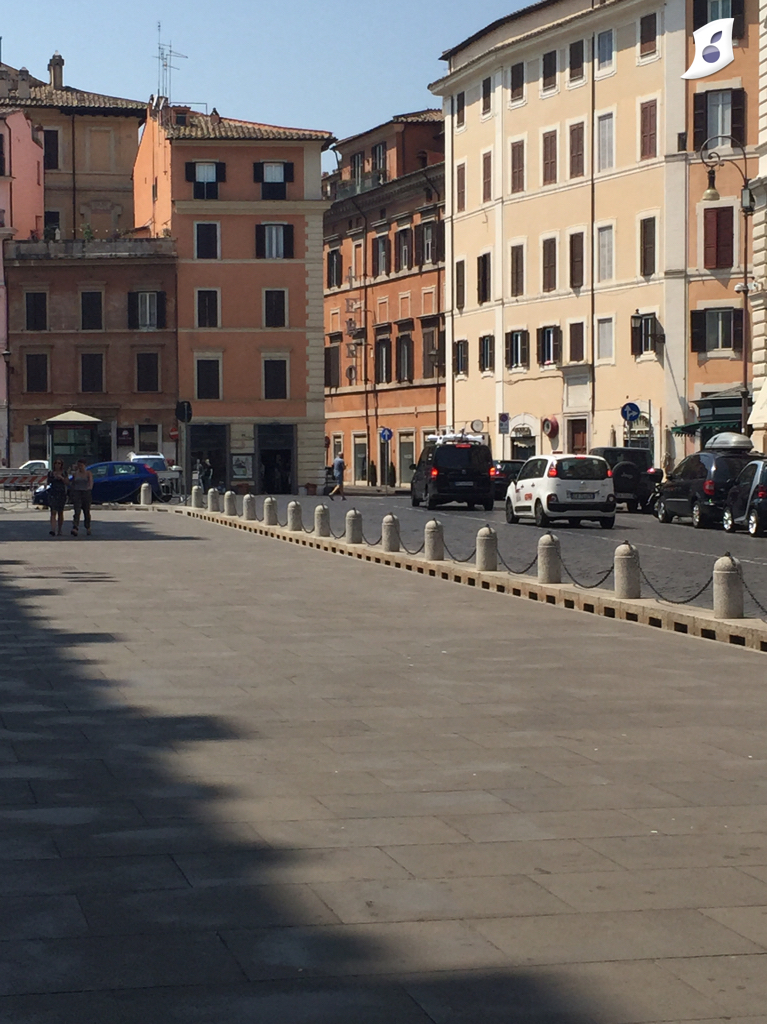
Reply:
x=648 y=32
x=332 y=366
x=275 y=308
x=483 y=278
x=207 y=307
x=357 y=167
x=275 y=379
x=207 y=241
x=486 y=353
x=576 y=260
x=91 y=371
x=517 y=350
x=146 y=311
x=36 y=366
x=428 y=242
x=718 y=248
x=460 y=284
x=460 y=110
x=518 y=166
x=378 y=154
x=577 y=343
x=576 y=150
x=719 y=9
x=644 y=334
x=517 y=82
x=91 y=311
x=403 y=250
x=383 y=361
x=719 y=123
x=381 y=255
x=335 y=268
x=405 y=359
x=433 y=341
x=37 y=311
x=487 y=95
x=549 y=264
x=718 y=113
x=487 y=177
x=208 y=379
x=648 y=118
x=549 y=346
x=51 y=149
x=274 y=241
x=273 y=178
x=549 y=158
x=604 y=339
x=206 y=176
x=647 y=246
x=147 y=371
x=604 y=50
x=714 y=330
x=460 y=188
x=549 y=63
x=37 y=441
x=605 y=158
x=148 y=438
x=51 y=223
x=461 y=358
x=517 y=270
x=605 y=252
x=576 y=61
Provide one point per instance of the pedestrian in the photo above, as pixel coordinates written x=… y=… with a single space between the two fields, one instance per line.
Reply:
x=206 y=475
x=81 y=489
x=57 y=496
x=339 y=467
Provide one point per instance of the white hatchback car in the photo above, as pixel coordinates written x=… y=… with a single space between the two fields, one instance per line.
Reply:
x=573 y=487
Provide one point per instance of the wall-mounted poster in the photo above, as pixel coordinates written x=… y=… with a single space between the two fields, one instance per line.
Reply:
x=126 y=437
x=242 y=467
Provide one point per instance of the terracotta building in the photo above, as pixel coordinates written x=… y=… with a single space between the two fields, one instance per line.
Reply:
x=244 y=205
x=92 y=329
x=384 y=297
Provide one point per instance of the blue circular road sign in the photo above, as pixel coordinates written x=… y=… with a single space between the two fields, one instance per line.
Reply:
x=631 y=412
x=386 y=434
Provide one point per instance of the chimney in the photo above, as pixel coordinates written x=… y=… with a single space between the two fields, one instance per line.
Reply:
x=22 y=88
x=56 y=70
x=5 y=82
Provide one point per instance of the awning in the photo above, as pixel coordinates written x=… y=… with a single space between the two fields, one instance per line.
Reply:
x=690 y=429
x=72 y=417
x=758 y=417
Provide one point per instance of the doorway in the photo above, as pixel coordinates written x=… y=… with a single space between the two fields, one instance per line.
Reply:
x=209 y=441
x=577 y=436
x=360 y=452
x=276 y=443
x=406 y=458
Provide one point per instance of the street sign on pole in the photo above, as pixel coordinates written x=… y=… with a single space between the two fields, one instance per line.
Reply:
x=631 y=412
x=386 y=434
x=504 y=422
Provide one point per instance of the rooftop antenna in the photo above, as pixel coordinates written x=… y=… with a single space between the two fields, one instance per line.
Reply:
x=165 y=65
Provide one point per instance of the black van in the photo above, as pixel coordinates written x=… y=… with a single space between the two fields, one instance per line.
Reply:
x=454 y=467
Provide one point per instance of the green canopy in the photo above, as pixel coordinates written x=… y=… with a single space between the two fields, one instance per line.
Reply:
x=690 y=429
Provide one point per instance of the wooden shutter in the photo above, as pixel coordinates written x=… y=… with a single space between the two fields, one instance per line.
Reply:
x=738 y=115
x=647 y=246
x=261 y=243
x=508 y=348
x=524 y=348
x=132 y=311
x=556 y=346
x=289 y=171
x=550 y=69
x=288 y=246
x=162 y=311
x=649 y=121
x=725 y=250
x=220 y=172
x=697 y=330
x=576 y=60
x=189 y=168
x=517 y=270
x=487 y=177
x=576 y=260
x=419 y=245
x=460 y=188
x=460 y=284
x=737 y=10
x=541 y=345
x=439 y=241
x=398 y=252
x=517 y=81
x=517 y=166
x=737 y=330
x=481 y=354
x=699 y=13
x=387 y=251
x=460 y=109
x=710 y=238
x=480 y=290
x=636 y=339
x=577 y=348
x=576 y=150
x=549 y=264
x=647 y=35
x=699 y=119
x=549 y=158
x=258 y=172
x=374 y=263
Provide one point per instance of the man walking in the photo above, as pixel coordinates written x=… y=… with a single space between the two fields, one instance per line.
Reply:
x=81 y=490
x=339 y=467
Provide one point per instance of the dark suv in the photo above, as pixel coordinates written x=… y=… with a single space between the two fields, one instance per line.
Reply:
x=634 y=475
x=453 y=468
x=699 y=486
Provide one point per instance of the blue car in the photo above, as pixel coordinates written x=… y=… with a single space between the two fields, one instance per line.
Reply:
x=115 y=482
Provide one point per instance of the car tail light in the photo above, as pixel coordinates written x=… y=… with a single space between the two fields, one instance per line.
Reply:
x=494 y=471
x=553 y=470
x=609 y=473
x=708 y=488
x=761 y=492
x=434 y=472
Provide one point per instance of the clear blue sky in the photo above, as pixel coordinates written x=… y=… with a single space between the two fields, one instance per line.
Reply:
x=338 y=66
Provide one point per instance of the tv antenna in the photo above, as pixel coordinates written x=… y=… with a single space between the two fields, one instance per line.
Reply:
x=165 y=66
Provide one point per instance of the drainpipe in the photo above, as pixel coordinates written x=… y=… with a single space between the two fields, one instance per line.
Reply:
x=10 y=174
x=434 y=188
x=593 y=238
x=74 y=183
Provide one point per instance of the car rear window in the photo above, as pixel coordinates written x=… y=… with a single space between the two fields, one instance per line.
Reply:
x=463 y=457
x=727 y=467
x=640 y=457
x=582 y=469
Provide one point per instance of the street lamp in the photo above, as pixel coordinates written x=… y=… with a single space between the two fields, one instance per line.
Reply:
x=713 y=160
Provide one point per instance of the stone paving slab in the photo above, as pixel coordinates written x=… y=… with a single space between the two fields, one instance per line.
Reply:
x=242 y=781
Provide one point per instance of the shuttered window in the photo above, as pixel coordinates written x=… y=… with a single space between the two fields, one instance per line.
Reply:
x=460 y=284
x=275 y=308
x=576 y=260
x=518 y=166
x=460 y=188
x=549 y=63
x=206 y=236
x=460 y=110
x=483 y=278
x=207 y=308
x=549 y=264
x=209 y=379
x=577 y=343
x=91 y=311
x=461 y=358
x=647 y=246
x=648 y=116
x=487 y=95
x=36 y=367
x=332 y=366
x=605 y=156
x=606 y=269
x=92 y=372
x=577 y=150
x=549 y=158
x=147 y=371
x=486 y=353
x=335 y=269
x=517 y=350
x=36 y=311
x=517 y=270
x=275 y=379
x=648 y=34
x=576 y=60
x=718 y=250
x=487 y=177
x=517 y=82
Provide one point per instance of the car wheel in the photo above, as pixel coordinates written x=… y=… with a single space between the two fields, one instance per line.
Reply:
x=574 y=522
x=727 y=521
x=663 y=514
x=607 y=524
x=431 y=502
x=414 y=499
x=510 y=517
x=755 y=527
x=699 y=520
x=633 y=507
x=541 y=519
x=488 y=505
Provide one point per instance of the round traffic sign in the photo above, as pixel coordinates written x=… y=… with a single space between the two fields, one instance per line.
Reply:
x=173 y=433
x=631 y=412
x=386 y=434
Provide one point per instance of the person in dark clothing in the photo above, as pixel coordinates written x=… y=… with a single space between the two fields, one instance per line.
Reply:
x=57 y=496
x=81 y=489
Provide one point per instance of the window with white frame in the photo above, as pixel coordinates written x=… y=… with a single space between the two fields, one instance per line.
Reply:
x=428 y=242
x=719 y=9
x=605 y=138
x=605 y=338
x=517 y=350
x=605 y=248
x=549 y=346
x=605 y=50
x=357 y=164
x=487 y=353
x=147 y=310
x=461 y=358
x=275 y=241
x=274 y=173
x=718 y=116
x=718 y=329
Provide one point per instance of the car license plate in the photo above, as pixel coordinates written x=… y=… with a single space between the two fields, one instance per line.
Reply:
x=464 y=483
x=583 y=495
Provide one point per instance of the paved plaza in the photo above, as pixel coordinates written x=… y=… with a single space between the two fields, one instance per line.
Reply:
x=247 y=783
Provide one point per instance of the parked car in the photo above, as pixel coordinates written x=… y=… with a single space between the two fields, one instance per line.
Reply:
x=155 y=460
x=114 y=482
x=699 y=486
x=503 y=471
x=572 y=487
x=36 y=467
x=634 y=476
x=746 y=504
x=453 y=467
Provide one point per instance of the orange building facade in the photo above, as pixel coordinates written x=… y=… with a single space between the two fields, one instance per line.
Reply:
x=384 y=297
x=243 y=202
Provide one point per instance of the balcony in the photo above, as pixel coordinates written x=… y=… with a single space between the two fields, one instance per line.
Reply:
x=356 y=186
x=79 y=249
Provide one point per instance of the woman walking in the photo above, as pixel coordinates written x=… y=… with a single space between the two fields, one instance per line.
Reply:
x=81 y=488
x=57 y=496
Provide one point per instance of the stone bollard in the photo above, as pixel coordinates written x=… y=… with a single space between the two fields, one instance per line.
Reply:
x=230 y=504
x=487 y=550
x=146 y=494
x=270 y=512
x=322 y=521
x=628 y=582
x=728 y=588
x=295 y=522
x=390 y=533
x=197 y=501
x=433 y=541
x=249 y=507
x=549 y=559
x=213 y=500
x=353 y=527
